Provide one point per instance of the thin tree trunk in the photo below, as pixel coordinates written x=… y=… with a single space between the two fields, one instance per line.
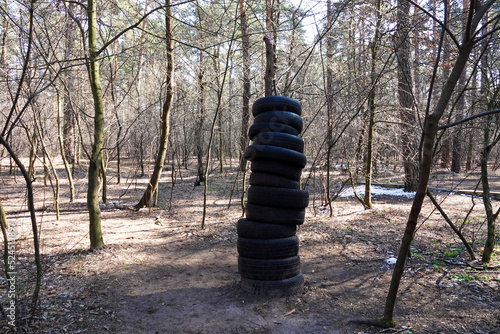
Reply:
x=485 y=154
x=447 y=54
x=5 y=227
x=61 y=145
x=245 y=111
x=270 y=54
x=489 y=246
x=31 y=208
x=46 y=156
x=367 y=201
x=96 y=239
x=453 y=227
x=201 y=120
x=165 y=117
x=457 y=145
x=69 y=118
x=429 y=136
x=405 y=98
x=329 y=103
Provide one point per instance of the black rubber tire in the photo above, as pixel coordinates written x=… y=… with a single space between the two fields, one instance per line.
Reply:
x=268 y=248
x=273 y=167
x=269 y=269
x=274 y=153
x=250 y=229
x=271 y=180
x=270 y=103
x=277 y=288
x=280 y=116
x=270 y=215
x=278 y=197
x=284 y=140
x=270 y=127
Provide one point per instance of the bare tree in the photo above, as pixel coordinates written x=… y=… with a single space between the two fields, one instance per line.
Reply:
x=165 y=116
x=409 y=144
x=469 y=40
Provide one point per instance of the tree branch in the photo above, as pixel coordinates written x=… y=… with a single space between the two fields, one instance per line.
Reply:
x=485 y=113
x=445 y=28
x=135 y=25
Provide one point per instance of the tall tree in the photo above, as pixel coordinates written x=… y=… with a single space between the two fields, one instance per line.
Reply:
x=166 y=110
x=491 y=137
x=95 y=160
x=270 y=48
x=457 y=142
x=68 y=118
x=245 y=110
x=367 y=201
x=409 y=147
x=431 y=126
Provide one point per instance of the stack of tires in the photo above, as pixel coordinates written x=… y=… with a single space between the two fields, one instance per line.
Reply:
x=268 y=247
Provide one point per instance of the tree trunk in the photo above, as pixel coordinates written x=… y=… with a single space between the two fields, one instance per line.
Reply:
x=270 y=56
x=489 y=246
x=201 y=118
x=367 y=201
x=447 y=54
x=31 y=208
x=69 y=118
x=96 y=239
x=329 y=102
x=485 y=153
x=61 y=145
x=165 y=117
x=406 y=104
x=429 y=136
x=245 y=111
x=457 y=147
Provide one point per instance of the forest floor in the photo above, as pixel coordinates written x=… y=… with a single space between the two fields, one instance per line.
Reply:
x=161 y=273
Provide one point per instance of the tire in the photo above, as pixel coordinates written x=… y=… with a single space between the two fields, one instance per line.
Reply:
x=268 y=248
x=250 y=229
x=271 y=180
x=270 y=215
x=277 y=288
x=269 y=269
x=273 y=167
x=274 y=153
x=270 y=103
x=284 y=140
x=281 y=117
x=278 y=197
x=270 y=127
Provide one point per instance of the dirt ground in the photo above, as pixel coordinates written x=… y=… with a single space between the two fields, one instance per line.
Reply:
x=161 y=273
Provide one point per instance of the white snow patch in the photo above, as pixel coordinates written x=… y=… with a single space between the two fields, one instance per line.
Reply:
x=377 y=191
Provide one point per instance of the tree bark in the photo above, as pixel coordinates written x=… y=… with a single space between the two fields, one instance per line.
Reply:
x=245 y=111
x=329 y=102
x=485 y=153
x=69 y=118
x=270 y=50
x=201 y=120
x=165 y=117
x=405 y=98
x=489 y=245
x=367 y=201
x=96 y=239
x=457 y=145
x=61 y=145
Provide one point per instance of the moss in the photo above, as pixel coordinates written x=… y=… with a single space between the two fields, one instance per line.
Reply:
x=387 y=322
